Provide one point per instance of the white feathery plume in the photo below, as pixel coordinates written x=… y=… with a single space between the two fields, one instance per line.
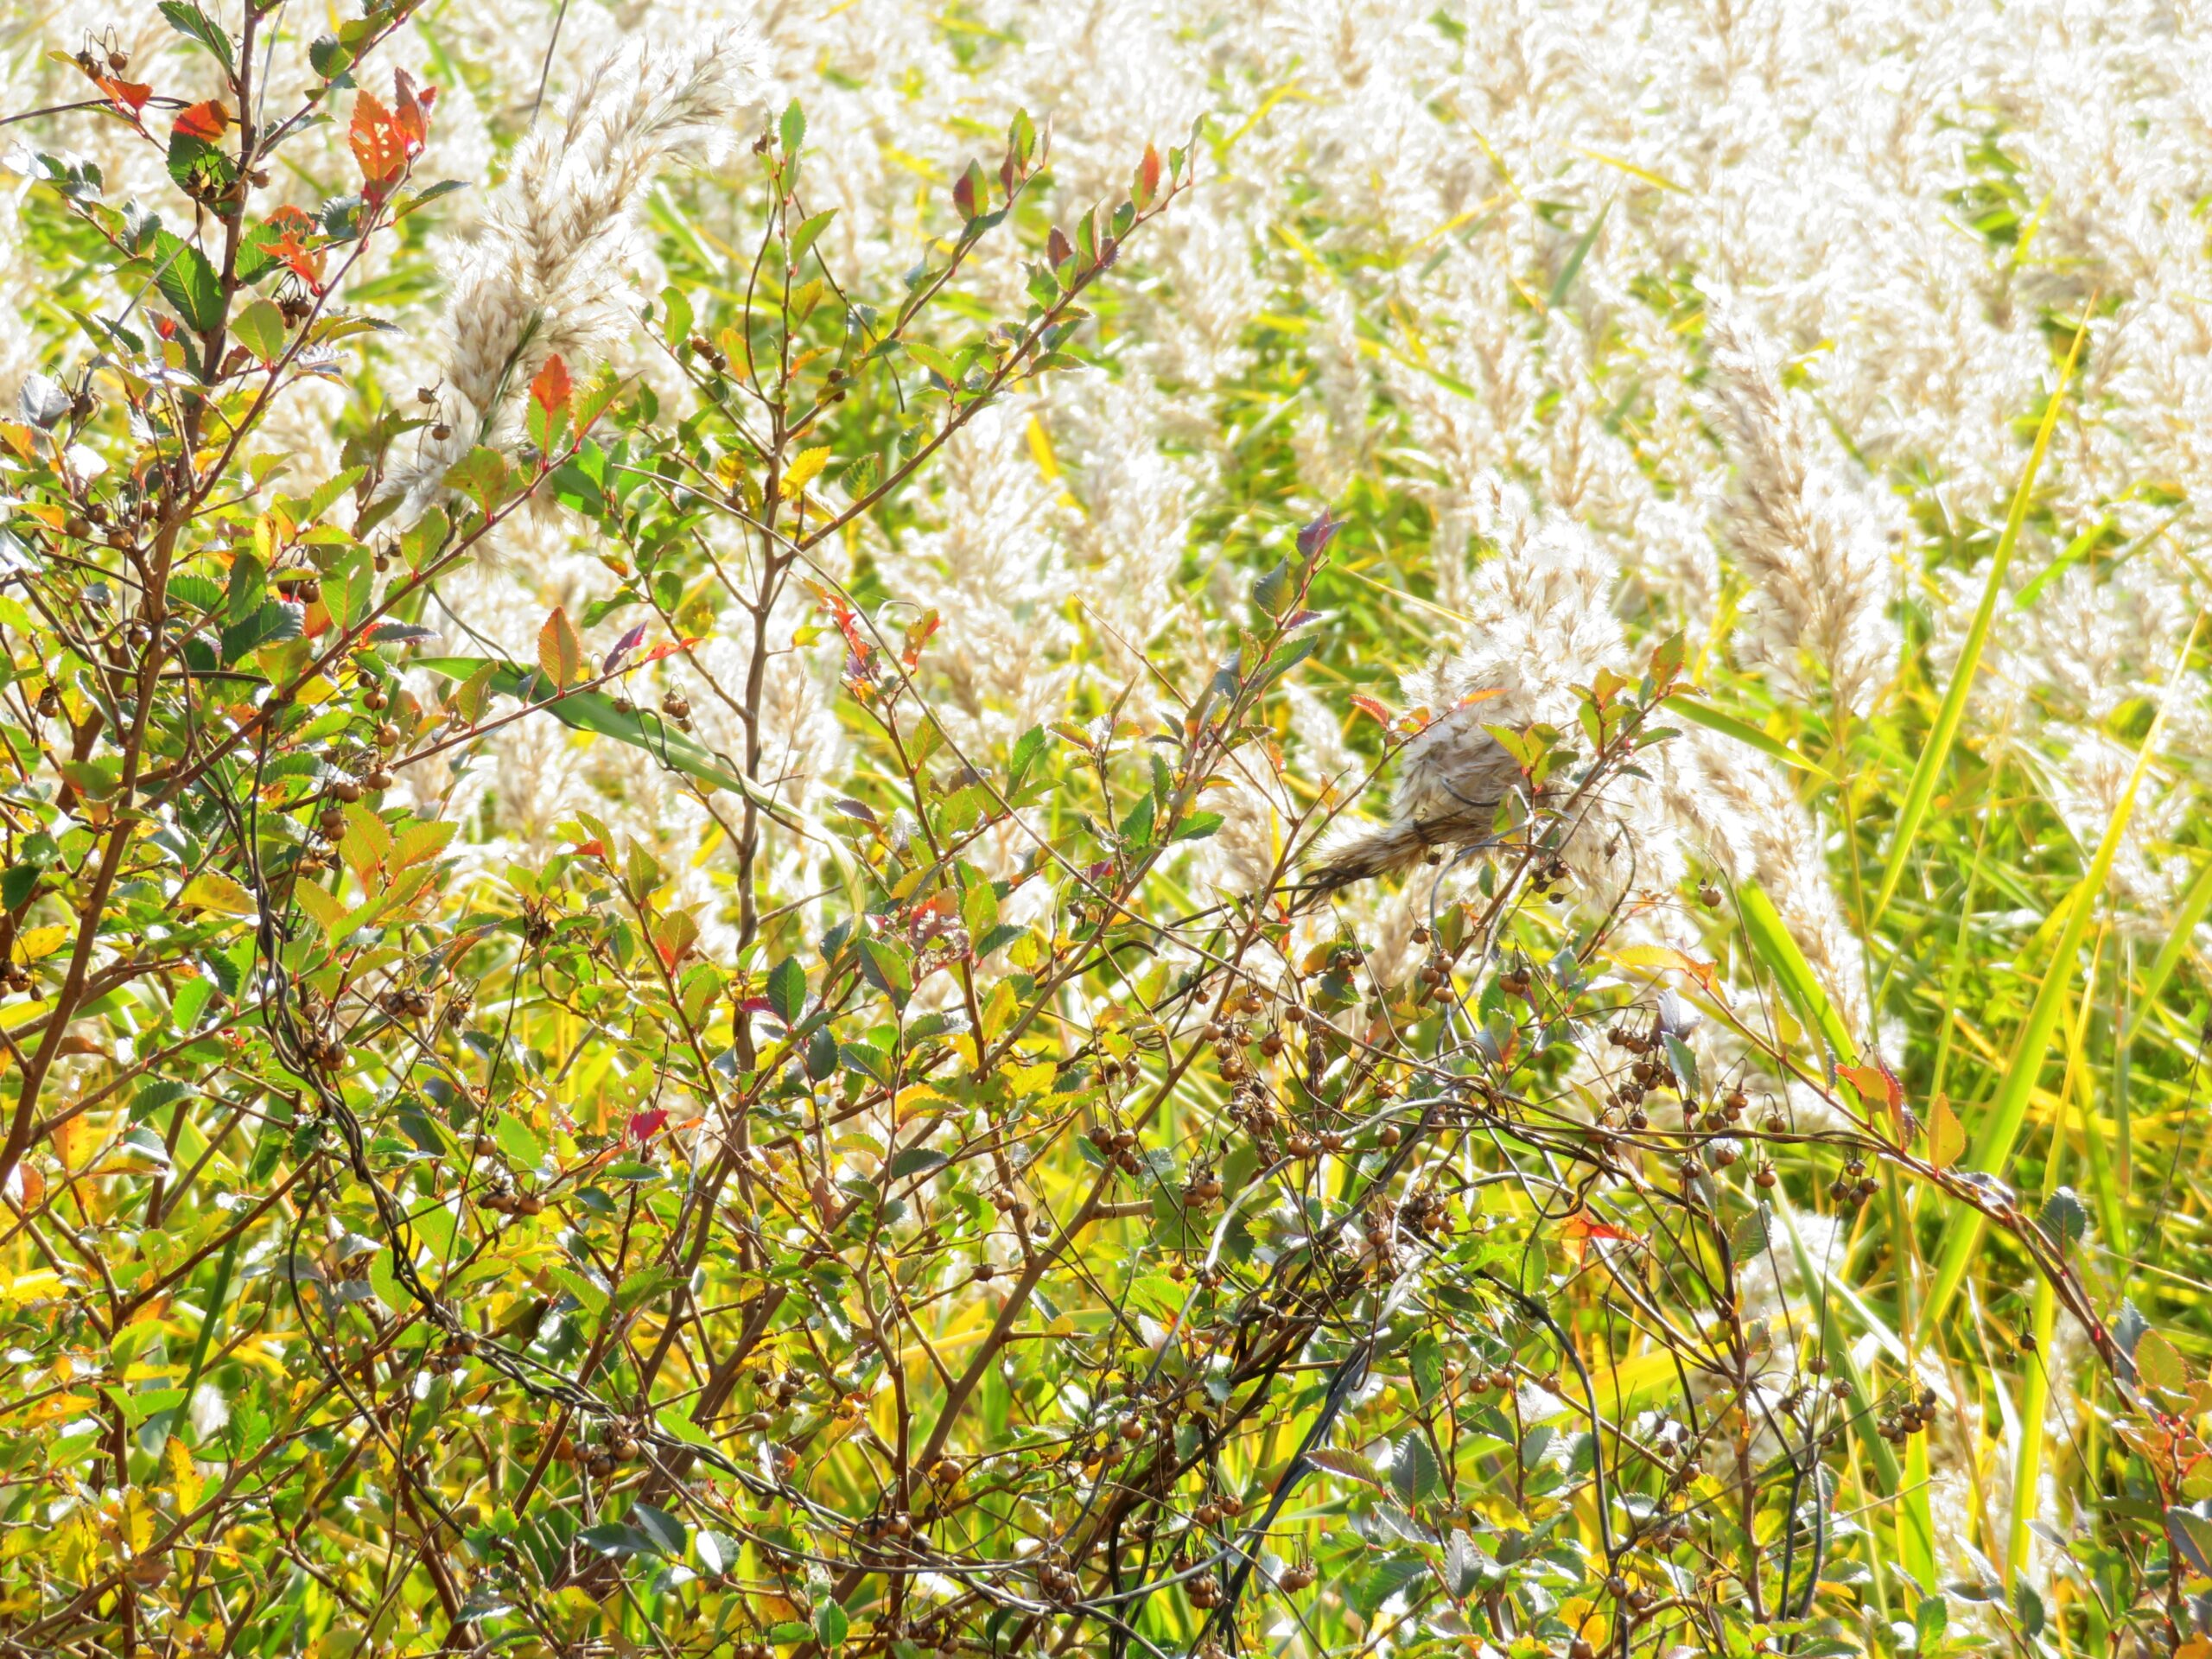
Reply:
x=1742 y=815
x=550 y=266
x=1813 y=540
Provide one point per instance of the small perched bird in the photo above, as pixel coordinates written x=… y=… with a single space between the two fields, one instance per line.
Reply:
x=1538 y=621
x=1452 y=779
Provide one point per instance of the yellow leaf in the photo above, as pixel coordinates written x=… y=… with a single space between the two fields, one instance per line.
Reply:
x=805 y=466
x=1030 y=1079
x=138 y=1520
x=183 y=1476
x=34 y=1286
x=1946 y=1136
x=917 y=1095
x=366 y=840
x=38 y=941
x=999 y=1009
x=324 y=909
x=1663 y=957
x=1040 y=450
x=213 y=890
x=417 y=842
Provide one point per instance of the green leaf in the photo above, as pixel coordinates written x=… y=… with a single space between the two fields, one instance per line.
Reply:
x=2192 y=1536
x=1714 y=720
x=483 y=476
x=791 y=128
x=193 y=24
x=1157 y=1297
x=887 y=968
x=260 y=328
x=803 y=239
x=2008 y=1108
x=1136 y=828
x=643 y=1285
x=2064 y=1218
x=595 y=712
x=675 y=315
x=830 y=1623
x=187 y=282
x=17 y=882
x=1425 y=1366
x=2159 y=1365
x=592 y=1298
x=1565 y=280
x=787 y=991
x=1935 y=748
x=276 y=621
x=612 y=1539
x=1413 y=1473
x=932 y=360
x=1748 y=1242
x=248 y=588
x=665 y=1531
x=523 y=1148
x=1027 y=749
x=1348 y=1463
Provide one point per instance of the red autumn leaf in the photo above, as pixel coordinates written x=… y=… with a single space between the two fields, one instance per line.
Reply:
x=378 y=145
x=550 y=391
x=968 y=192
x=848 y=621
x=207 y=122
x=293 y=227
x=1581 y=1232
x=645 y=1125
x=1374 y=708
x=411 y=114
x=668 y=649
x=589 y=849
x=129 y=96
x=917 y=636
x=1148 y=181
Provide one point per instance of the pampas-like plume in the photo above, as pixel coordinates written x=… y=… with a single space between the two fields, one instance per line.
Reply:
x=1813 y=540
x=1541 y=622
x=546 y=271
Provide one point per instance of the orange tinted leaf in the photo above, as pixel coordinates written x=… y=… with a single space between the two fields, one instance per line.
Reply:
x=1579 y=1230
x=377 y=144
x=1147 y=179
x=129 y=96
x=550 y=391
x=412 y=116
x=1374 y=707
x=560 y=653
x=668 y=650
x=208 y=122
x=1876 y=1084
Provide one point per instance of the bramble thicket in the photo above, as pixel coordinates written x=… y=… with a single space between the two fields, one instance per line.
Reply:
x=1137 y=829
